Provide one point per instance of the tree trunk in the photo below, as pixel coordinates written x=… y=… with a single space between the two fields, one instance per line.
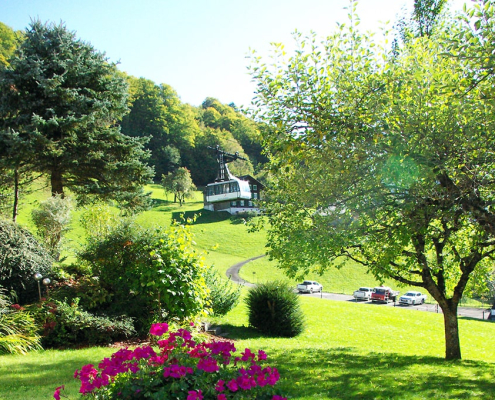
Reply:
x=452 y=344
x=16 y=195
x=57 y=183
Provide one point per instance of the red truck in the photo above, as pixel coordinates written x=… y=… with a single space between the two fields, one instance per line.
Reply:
x=383 y=294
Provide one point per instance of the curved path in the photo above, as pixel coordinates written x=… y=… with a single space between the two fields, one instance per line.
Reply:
x=478 y=313
x=233 y=272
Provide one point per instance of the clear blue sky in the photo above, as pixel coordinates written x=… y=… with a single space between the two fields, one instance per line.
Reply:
x=198 y=47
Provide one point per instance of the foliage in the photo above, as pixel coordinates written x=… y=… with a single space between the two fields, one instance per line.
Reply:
x=183 y=369
x=59 y=104
x=21 y=257
x=67 y=325
x=274 y=309
x=18 y=332
x=8 y=43
x=381 y=158
x=150 y=273
x=179 y=183
x=224 y=295
x=98 y=220
x=52 y=219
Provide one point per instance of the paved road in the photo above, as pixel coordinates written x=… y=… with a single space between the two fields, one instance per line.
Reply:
x=468 y=312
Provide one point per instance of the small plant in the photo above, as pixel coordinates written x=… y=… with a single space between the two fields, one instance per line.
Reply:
x=182 y=369
x=17 y=328
x=224 y=295
x=274 y=309
x=52 y=220
x=67 y=325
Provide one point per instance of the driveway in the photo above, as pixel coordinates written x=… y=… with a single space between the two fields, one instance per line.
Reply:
x=468 y=312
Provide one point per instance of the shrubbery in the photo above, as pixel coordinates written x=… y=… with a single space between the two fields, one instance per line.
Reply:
x=21 y=256
x=18 y=331
x=274 y=309
x=150 y=274
x=67 y=325
x=224 y=295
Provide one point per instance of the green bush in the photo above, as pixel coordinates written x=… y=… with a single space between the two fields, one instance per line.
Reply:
x=224 y=295
x=21 y=256
x=274 y=309
x=67 y=325
x=17 y=329
x=152 y=274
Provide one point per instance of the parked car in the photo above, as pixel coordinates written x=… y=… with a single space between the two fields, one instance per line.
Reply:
x=412 y=298
x=384 y=294
x=309 y=287
x=363 y=293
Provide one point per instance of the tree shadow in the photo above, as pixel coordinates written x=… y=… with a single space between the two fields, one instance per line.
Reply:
x=202 y=216
x=343 y=374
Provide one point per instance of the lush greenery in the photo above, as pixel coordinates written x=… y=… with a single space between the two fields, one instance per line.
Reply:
x=21 y=257
x=223 y=294
x=274 y=309
x=18 y=330
x=383 y=157
x=65 y=325
x=149 y=274
x=60 y=99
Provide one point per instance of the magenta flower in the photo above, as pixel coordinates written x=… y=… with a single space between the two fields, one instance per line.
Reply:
x=247 y=355
x=261 y=355
x=219 y=387
x=232 y=385
x=277 y=397
x=56 y=394
x=193 y=395
x=221 y=397
x=208 y=365
x=159 y=329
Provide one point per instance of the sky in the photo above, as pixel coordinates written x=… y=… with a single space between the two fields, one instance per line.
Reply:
x=198 y=47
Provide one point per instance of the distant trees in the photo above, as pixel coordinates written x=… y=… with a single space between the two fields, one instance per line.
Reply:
x=179 y=183
x=60 y=103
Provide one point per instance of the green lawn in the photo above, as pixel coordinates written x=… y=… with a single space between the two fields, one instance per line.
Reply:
x=348 y=351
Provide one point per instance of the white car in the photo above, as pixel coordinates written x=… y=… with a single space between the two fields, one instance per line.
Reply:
x=309 y=287
x=412 y=298
x=363 y=293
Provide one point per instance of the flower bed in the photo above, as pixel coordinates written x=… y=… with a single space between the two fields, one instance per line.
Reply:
x=181 y=368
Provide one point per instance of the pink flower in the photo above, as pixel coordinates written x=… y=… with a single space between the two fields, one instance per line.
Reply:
x=261 y=355
x=277 y=397
x=193 y=395
x=159 y=329
x=221 y=397
x=219 y=387
x=208 y=364
x=247 y=355
x=232 y=385
x=56 y=394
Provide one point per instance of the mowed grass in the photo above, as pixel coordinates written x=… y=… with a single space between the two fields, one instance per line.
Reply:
x=348 y=351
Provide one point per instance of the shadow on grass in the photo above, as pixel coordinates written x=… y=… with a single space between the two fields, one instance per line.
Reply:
x=202 y=216
x=343 y=374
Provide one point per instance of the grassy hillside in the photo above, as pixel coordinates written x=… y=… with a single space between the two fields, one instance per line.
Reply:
x=222 y=240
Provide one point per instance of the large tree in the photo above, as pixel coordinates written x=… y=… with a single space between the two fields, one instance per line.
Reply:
x=382 y=158
x=62 y=101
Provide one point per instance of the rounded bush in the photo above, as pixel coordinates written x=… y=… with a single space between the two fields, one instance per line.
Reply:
x=21 y=256
x=274 y=309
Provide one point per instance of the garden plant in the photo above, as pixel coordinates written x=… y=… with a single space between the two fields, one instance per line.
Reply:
x=183 y=368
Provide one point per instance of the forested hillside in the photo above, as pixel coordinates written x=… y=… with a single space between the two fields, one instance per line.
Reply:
x=178 y=133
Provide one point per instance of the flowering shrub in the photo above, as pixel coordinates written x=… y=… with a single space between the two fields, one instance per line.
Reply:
x=181 y=368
